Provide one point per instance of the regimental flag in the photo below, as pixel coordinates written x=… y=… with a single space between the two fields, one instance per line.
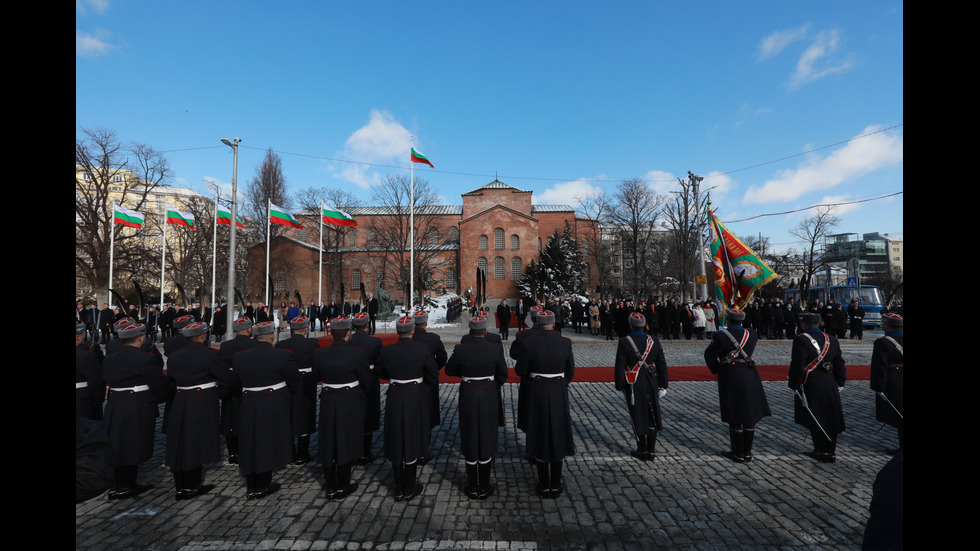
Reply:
x=278 y=215
x=179 y=218
x=224 y=218
x=338 y=217
x=420 y=158
x=737 y=270
x=126 y=217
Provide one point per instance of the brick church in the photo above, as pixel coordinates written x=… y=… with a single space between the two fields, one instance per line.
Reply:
x=496 y=229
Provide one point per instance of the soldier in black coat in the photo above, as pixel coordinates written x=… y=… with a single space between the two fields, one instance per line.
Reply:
x=481 y=365
x=89 y=385
x=817 y=375
x=438 y=351
x=372 y=353
x=193 y=438
x=304 y=398
x=136 y=385
x=268 y=376
x=740 y=393
x=412 y=372
x=343 y=369
x=516 y=351
x=641 y=376
x=232 y=400
x=887 y=365
x=548 y=363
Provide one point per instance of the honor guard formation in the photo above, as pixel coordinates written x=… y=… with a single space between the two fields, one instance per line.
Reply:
x=260 y=397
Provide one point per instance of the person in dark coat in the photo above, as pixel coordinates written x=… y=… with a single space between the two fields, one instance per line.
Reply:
x=193 y=438
x=232 y=400
x=887 y=365
x=372 y=405
x=687 y=320
x=856 y=316
x=136 y=385
x=269 y=376
x=516 y=351
x=304 y=398
x=885 y=530
x=817 y=375
x=343 y=369
x=548 y=363
x=89 y=385
x=412 y=372
x=373 y=308
x=481 y=366
x=740 y=393
x=641 y=377
x=438 y=351
x=503 y=319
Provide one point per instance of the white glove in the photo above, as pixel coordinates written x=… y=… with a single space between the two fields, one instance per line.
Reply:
x=661 y=392
x=840 y=389
x=623 y=394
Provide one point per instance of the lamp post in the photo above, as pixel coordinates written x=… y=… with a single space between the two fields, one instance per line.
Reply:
x=696 y=180
x=230 y=314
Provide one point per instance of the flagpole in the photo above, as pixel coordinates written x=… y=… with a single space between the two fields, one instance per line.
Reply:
x=214 y=254
x=411 y=238
x=319 y=267
x=268 y=230
x=163 y=256
x=112 y=250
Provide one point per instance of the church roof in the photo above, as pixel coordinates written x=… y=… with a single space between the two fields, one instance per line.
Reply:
x=496 y=184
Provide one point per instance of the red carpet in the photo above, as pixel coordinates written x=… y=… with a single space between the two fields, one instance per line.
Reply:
x=684 y=373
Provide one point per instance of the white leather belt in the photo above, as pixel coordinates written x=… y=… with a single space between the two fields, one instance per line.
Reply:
x=202 y=386
x=406 y=381
x=371 y=366
x=276 y=386
x=468 y=379
x=139 y=388
x=547 y=375
x=82 y=384
x=306 y=370
x=341 y=386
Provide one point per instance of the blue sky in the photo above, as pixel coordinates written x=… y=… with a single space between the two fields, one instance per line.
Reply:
x=779 y=105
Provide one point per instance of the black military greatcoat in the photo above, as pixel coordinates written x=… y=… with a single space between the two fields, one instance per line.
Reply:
x=740 y=393
x=481 y=365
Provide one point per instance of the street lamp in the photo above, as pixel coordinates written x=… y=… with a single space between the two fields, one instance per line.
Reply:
x=230 y=314
x=696 y=180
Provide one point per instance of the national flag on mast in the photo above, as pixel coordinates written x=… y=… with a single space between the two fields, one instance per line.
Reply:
x=224 y=218
x=337 y=217
x=126 y=217
x=179 y=218
x=737 y=270
x=278 y=215
x=420 y=158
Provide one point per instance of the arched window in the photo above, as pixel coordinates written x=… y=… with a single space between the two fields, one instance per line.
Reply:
x=352 y=238
x=516 y=268
x=498 y=267
x=433 y=237
x=372 y=238
x=483 y=242
x=515 y=242
x=450 y=278
x=280 y=281
x=453 y=235
x=355 y=280
x=498 y=239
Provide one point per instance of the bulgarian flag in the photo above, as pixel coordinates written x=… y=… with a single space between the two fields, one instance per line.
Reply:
x=338 y=217
x=224 y=218
x=278 y=215
x=179 y=218
x=126 y=217
x=737 y=270
x=420 y=158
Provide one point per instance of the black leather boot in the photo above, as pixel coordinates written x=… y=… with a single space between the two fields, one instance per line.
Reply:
x=483 y=469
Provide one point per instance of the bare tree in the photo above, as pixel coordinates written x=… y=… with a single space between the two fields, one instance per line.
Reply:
x=635 y=210
x=433 y=248
x=106 y=170
x=268 y=184
x=684 y=224
x=595 y=207
x=334 y=237
x=812 y=231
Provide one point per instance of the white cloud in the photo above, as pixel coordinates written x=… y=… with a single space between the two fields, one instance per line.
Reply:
x=819 y=59
x=567 y=193
x=719 y=184
x=92 y=45
x=98 y=6
x=778 y=41
x=381 y=140
x=857 y=158
x=661 y=182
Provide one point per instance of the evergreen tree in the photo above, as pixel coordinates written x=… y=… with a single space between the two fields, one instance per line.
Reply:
x=560 y=270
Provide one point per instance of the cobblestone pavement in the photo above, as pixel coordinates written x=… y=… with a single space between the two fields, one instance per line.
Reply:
x=690 y=497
